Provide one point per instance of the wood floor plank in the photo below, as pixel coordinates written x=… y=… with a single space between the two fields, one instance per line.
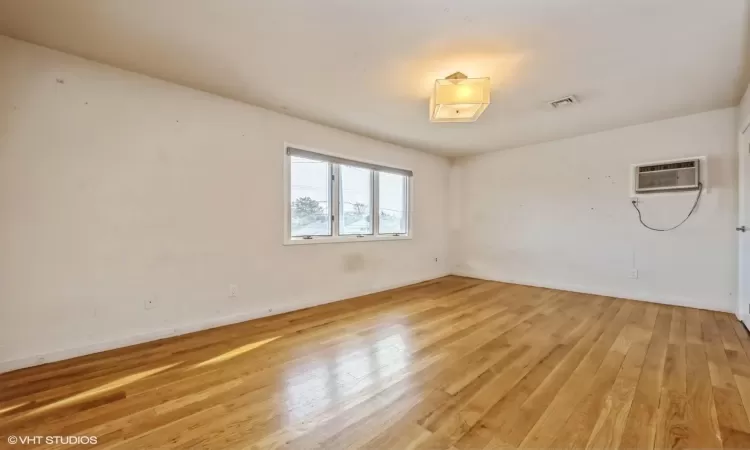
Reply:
x=730 y=411
x=511 y=425
x=703 y=427
x=504 y=409
x=743 y=335
x=641 y=426
x=454 y=363
x=625 y=357
x=544 y=432
x=671 y=421
x=609 y=428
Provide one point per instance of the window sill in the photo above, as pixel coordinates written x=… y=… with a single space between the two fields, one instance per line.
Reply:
x=343 y=239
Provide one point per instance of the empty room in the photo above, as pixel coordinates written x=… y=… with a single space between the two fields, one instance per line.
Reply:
x=394 y=224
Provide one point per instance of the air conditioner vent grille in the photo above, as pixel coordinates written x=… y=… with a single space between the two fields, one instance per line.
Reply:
x=565 y=101
x=671 y=166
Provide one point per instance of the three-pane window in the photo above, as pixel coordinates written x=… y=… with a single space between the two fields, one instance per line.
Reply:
x=336 y=199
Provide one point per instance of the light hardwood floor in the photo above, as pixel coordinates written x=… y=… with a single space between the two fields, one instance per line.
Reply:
x=451 y=363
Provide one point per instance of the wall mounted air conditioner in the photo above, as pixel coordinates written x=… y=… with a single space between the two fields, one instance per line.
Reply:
x=678 y=175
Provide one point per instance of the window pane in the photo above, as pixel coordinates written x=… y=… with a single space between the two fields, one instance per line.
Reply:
x=356 y=201
x=392 y=214
x=311 y=197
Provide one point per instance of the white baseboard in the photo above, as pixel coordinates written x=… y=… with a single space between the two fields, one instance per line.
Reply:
x=664 y=300
x=68 y=353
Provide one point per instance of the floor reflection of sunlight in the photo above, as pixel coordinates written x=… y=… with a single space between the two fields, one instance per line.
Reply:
x=101 y=389
x=383 y=359
x=356 y=365
x=394 y=358
x=235 y=352
x=394 y=341
x=308 y=393
x=332 y=382
x=12 y=408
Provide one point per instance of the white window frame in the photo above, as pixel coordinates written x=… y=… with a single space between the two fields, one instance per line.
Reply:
x=335 y=195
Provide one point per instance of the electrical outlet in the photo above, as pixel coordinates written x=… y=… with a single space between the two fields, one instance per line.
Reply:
x=633 y=274
x=149 y=303
x=233 y=288
x=636 y=200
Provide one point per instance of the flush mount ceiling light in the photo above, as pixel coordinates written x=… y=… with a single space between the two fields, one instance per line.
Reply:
x=458 y=98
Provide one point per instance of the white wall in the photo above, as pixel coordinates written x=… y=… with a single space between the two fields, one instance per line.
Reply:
x=116 y=188
x=559 y=215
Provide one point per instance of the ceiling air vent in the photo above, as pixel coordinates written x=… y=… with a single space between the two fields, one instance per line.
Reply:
x=563 y=102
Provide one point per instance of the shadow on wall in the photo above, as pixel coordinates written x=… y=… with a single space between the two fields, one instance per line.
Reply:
x=43 y=95
x=129 y=43
x=13 y=91
x=354 y=262
x=745 y=68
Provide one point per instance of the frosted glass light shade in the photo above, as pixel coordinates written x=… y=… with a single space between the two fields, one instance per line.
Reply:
x=457 y=99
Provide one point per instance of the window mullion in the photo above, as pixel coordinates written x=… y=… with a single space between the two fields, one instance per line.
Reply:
x=375 y=201
x=407 y=205
x=335 y=199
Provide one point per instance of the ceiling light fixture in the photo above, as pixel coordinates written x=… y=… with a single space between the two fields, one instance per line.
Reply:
x=458 y=98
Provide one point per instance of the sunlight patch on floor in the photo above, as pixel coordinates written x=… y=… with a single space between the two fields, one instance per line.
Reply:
x=13 y=408
x=120 y=382
x=236 y=352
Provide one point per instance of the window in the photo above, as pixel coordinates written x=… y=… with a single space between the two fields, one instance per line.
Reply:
x=311 y=197
x=355 y=200
x=332 y=199
x=392 y=206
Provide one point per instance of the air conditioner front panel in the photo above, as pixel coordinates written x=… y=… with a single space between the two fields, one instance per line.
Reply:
x=676 y=176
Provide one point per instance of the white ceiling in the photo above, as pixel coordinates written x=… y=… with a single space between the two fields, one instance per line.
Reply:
x=368 y=66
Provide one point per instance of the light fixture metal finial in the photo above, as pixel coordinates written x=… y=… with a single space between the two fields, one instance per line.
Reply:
x=457 y=76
